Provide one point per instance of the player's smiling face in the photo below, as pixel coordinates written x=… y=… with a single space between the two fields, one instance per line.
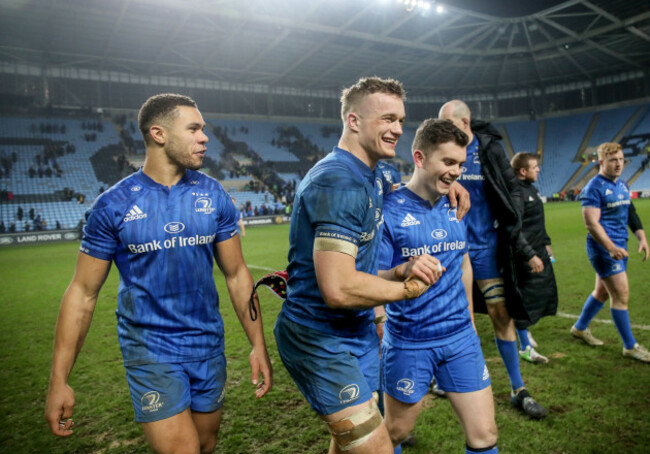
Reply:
x=442 y=167
x=186 y=140
x=380 y=117
x=612 y=166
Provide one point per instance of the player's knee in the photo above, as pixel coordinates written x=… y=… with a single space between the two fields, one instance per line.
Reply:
x=398 y=431
x=483 y=436
x=208 y=444
x=354 y=430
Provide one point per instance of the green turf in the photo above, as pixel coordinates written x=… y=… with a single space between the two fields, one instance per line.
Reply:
x=599 y=402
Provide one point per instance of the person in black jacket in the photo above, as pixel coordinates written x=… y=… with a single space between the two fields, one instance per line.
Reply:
x=538 y=288
x=495 y=239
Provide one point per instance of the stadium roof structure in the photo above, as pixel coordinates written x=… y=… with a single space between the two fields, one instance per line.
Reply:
x=472 y=46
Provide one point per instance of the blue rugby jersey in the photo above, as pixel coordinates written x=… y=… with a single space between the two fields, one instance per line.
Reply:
x=391 y=176
x=339 y=198
x=481 y=231
x=162 y=243
x=613 y=199
x=413 y=227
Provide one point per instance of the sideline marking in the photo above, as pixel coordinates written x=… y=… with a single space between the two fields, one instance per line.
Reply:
x=263 y=268
x=607 y=322
x=559 y=314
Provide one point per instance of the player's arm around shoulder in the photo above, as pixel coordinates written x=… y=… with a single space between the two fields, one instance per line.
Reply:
x=75 y=316
x=239 y=281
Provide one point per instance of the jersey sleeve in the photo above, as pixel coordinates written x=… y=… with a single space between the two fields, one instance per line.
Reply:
x=100 y=239
x=337 y=216
x=227 y=222
x=589 y=197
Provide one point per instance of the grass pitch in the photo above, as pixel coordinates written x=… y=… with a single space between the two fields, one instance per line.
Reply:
x=599 y=401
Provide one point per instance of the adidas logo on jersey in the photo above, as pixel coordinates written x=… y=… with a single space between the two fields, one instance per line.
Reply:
x=134 y=214
x=608 y=192
x=530 y=198
x=409 y=219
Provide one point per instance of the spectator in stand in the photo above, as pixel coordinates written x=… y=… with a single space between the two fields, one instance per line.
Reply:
x=19 y=213
x=2 y=227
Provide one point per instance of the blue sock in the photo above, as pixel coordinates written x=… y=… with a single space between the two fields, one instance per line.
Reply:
x=621 y=319
x=510 y=356
x=589 y=310
x=523 y=339
x=492 y=450
x=398 y=449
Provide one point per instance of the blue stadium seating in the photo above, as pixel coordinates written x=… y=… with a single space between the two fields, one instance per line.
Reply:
x=259 y=137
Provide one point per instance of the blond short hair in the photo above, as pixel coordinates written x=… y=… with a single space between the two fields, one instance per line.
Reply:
x=608 y=148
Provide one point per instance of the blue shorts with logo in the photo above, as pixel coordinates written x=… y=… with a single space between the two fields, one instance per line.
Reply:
x=485 y=263
x=602 y=262
x=332 y=372
x=161 y=390
x=458 y=367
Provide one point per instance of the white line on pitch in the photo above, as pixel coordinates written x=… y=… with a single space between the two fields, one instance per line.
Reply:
x=607 y=322
x=560 y=314
x=263 y=268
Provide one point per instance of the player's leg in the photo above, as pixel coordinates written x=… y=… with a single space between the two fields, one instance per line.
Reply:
x=161 y=398
x=407 y=374
x=174 y=435
x=464 y=376
x=337 y=376
x=504 y=328
x=506 y=341
x=207 y=426
x=602 y=264
x=358 y=429
x=527 y=350
x=400 y=418
x=475 y=411
x=618 y=287
x=207 y=386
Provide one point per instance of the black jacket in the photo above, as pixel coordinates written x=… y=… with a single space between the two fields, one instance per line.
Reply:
x=504 y=195
x=539 y=290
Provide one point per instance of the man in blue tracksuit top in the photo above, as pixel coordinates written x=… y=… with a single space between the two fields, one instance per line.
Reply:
x=433 y=335
x=606 y=211
x=163 y=227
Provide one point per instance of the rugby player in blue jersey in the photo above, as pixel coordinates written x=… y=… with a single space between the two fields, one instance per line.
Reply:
x=606 y=210
x=433 y=335
x=163 y=226
x=496 y=241
x=325 y=332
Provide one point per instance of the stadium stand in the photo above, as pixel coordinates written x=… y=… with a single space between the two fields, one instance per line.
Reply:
x=260 y=137
x=562 y=139
x=259 y=161
x=45 y=145
x=523 y=136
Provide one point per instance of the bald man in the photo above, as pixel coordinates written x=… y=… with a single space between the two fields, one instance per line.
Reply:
x=495 y=241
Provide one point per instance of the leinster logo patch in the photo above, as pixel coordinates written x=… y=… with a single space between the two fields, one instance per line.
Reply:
x=349 y=393
x=203 y=205
x=405 y=385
